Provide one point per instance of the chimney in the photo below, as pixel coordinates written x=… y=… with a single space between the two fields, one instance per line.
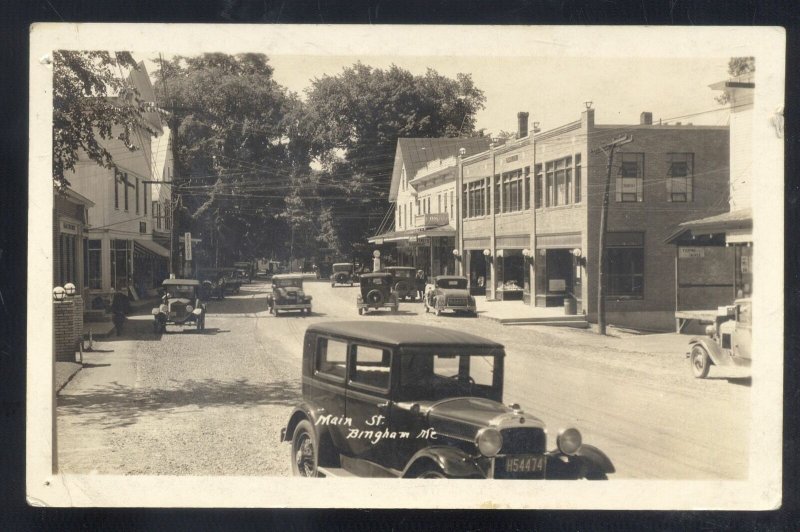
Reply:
x=522 y=124
x=646 y=119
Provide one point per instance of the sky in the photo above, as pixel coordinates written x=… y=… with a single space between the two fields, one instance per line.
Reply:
x=552 y=89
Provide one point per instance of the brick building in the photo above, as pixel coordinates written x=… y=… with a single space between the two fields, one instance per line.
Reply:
x=530 y=213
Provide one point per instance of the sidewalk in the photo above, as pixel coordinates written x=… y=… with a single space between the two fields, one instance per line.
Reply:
x=518 y=313
x=64 y=373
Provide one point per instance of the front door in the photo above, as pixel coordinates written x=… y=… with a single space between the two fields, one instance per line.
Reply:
x=328 y=388
x=369 y=382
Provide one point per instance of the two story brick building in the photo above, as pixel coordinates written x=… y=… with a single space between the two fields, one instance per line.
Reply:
x=530 y=213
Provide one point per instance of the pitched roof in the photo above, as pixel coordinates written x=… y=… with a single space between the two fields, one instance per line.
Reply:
x=415 y=153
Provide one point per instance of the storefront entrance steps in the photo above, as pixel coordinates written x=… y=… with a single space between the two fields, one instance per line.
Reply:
x=518 y=313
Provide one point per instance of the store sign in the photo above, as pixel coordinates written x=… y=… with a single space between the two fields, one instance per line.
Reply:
x=746 y=266
x=437 y=219
x=67 y=227
x=691 y=253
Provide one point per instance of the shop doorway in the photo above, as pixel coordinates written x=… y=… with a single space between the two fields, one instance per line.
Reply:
x=477 y=272
x=554 y=276
x=510 y=275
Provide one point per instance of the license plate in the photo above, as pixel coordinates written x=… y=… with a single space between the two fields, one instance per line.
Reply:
x=526 y=463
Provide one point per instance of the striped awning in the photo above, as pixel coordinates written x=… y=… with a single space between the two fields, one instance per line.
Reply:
x=413 y=234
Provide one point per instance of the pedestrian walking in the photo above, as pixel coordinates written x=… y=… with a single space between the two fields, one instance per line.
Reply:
x=119 y=306
x=421 y=280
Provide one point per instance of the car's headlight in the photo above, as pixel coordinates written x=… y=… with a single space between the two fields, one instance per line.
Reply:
x=710 y=330
x=189 y=308
x=156 y=311
x=569 y=441
x=489 y=441
x=163 y=308
x=471 y=300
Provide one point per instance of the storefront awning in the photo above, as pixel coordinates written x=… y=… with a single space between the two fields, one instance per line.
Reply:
x=412 y=234
x=736 y=225
x=149 y=247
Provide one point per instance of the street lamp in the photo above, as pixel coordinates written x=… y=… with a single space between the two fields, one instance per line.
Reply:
x=487 y=253
x=59 y=293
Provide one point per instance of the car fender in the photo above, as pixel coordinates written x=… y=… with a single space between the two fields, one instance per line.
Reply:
x=596 y=457
x=301 y=412
x=713 y=349
x=454 y=462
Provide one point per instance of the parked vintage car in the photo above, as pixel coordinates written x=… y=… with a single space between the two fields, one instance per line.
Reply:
x=342 y=273
x=404 y=282
x=213 y=288
x=233 y=281
x=376 y=292
x=180 y=305
x=728 y=342
x=449 y=292
x=396 y=400
x=287 y=294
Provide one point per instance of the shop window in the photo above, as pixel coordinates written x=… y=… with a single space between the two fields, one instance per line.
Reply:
x=117 y=180
x=538 y=184
x=625 y=265
x=577 y=184
x=527 y=188
x=680 y=170
x=125 y=192
x=630 y=177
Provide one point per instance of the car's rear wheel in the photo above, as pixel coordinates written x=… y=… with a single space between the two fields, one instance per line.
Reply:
x=360 y=311
x=700 y=361
x=304 y=450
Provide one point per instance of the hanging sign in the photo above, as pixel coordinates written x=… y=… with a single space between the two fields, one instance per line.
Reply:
x=691 y=253
x=187 y=242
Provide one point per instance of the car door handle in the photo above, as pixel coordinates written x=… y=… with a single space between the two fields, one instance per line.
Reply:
x=383 y=407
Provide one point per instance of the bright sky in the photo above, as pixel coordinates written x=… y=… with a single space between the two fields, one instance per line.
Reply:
x=553 y=90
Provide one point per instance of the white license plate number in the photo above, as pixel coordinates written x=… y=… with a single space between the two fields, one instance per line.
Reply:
x=529 y=463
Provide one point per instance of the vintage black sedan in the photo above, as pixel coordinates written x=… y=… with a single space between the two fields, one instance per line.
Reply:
x=404 y=282
x=385 y=399
x=287 y=294
x=449 y=292
x=180 y=305
x=376 y=293
x=342 y=273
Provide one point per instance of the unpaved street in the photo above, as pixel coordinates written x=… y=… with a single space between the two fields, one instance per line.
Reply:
x=214 y=402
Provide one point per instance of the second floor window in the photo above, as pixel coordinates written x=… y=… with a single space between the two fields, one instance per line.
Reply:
x=630 y=177
x=117 y=181
x=136 y=191
x=680 y=170
x=512 y=185
x=127 y=186
x=538 y=184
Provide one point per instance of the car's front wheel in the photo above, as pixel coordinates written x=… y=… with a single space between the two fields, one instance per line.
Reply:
x=304 y=450
x=432 y=472
x=700 y=361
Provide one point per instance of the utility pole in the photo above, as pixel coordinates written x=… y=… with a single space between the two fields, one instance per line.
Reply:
x=608 y=149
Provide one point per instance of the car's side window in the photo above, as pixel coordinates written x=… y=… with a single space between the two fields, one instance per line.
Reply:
x=331 y=358
x=371 y=366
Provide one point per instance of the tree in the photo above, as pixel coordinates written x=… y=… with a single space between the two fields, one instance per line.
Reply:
x=90 y=98
x=352 y=123
x=234 y=156
x=737 y=66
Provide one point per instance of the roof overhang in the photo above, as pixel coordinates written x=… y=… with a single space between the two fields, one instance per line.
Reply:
x=413 y=234
x=735 y=225
x=151 y=248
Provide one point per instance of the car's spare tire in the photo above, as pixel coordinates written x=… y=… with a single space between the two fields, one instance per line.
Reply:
x=402 y=287
x=374 y=297
x=341 y=278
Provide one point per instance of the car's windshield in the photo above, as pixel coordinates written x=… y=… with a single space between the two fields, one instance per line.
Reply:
x=288 y=282
x=425 y=376
x=342 y=267
x=182 y=291
x=452 y=283
x=378 y=281
x=403 y=273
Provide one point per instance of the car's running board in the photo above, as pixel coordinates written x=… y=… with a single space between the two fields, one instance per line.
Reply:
x=334 y=472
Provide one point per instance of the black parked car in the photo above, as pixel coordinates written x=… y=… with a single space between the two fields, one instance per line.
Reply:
x=376 y=292
x=404 y=281
x=342 y=274
x=386 y=399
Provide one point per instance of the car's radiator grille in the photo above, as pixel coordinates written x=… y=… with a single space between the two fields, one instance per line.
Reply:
x=457 y=301
x=524 y=440
x=179 y=309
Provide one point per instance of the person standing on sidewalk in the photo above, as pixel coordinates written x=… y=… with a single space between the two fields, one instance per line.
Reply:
x=119 y=306
x=420 y=280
